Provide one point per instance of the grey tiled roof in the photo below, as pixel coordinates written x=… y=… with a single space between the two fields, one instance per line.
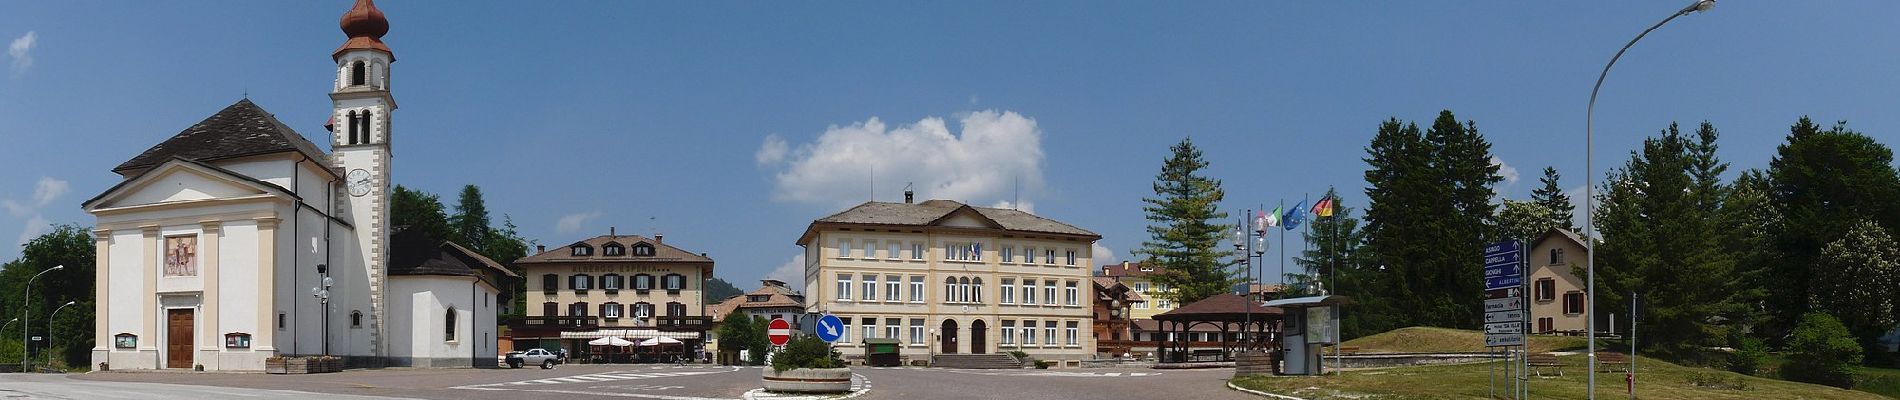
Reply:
x=242 y=129
x=662 y=252
x=413 y=254
x=921 y=214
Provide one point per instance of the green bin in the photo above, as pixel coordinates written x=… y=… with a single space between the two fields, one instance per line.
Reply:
x=882 y=352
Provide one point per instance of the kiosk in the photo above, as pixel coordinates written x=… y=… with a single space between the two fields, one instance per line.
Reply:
x=1311 y=323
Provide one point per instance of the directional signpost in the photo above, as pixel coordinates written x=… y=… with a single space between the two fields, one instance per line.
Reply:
x=1504 y=311
x=830 y=328
x=779 y=331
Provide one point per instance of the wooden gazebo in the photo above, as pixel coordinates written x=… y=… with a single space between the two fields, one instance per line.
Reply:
x=1243 y=326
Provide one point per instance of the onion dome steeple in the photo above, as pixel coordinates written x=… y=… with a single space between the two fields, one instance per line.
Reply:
x=365 y=26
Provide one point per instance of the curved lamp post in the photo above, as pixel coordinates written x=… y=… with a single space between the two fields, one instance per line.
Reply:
x=49 y=328
x=1589 y=196
x=28 y=305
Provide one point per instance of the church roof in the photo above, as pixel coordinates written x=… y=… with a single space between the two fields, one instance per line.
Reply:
x=411 y=253
x=240 y=130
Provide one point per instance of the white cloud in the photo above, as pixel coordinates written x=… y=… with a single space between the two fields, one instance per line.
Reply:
x=35 y=226
x=572 y=222
x=1102 y=255
x=16 y=209
x=1027 y=207
x=772 y=151
x=792 y=272
x=49 y=189
x=1506 y=170
x=995 y=154
x=21 y=50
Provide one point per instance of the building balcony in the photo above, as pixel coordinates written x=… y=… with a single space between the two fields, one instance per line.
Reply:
x=683 y=323
x=554 y=322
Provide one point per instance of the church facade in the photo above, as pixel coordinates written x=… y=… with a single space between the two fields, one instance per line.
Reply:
x=238 y=239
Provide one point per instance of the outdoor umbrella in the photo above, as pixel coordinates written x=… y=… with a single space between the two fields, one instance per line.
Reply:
x=610 y=341
x=659 y=341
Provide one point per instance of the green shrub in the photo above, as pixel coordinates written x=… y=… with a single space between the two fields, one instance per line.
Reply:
x=1748 y=357
x=1040 y=364
x=1822 y=351
x=805 y=351
x=1020 y=356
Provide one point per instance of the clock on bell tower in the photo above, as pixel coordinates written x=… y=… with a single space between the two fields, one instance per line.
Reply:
x=360 y=138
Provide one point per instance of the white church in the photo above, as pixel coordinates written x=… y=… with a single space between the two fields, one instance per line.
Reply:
x=238 y=240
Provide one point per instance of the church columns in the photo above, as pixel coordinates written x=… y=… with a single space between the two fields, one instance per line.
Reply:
x=101 y=269
x=210 y=339
x=151 y=268
x=266 y=285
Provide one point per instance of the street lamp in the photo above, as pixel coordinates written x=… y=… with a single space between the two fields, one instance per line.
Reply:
x=1589 y=203
x=28 y=305
x=49 y=328
x=322 y=293
x=1249 y=251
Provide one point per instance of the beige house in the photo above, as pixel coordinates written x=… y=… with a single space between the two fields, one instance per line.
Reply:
x=944 y=277
x=1556 y=297
x=624 y=286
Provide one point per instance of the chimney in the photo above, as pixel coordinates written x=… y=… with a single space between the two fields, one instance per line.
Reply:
x=659 y=237
x=610 y=231
x=909 y=196
x=539 y=248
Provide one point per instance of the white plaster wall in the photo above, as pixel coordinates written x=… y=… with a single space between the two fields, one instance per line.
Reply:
x=127 y=308
x=273 y=168
x=182 y=185
x=417 y=323
x=237 y=278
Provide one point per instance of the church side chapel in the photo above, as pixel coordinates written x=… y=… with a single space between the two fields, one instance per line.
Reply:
x=238 y=240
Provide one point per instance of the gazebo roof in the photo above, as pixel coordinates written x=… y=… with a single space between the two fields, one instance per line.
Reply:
x=1222 y=307
x=1311 y=301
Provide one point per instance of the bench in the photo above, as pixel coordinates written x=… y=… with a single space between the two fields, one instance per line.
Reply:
x=1540 y=361
x=1613 y=362
x=1347 y=349
x=1198 y=354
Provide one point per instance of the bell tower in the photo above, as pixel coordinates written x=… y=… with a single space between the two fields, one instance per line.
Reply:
x=360 y=136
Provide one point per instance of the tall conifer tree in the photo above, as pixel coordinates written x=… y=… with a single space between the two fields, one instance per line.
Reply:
x=1185 y=229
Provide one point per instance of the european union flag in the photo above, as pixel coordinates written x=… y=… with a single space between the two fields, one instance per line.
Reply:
x=1294 y=215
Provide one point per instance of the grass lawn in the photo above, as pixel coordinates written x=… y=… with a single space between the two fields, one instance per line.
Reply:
x=1656 y=380
x=1432 y=340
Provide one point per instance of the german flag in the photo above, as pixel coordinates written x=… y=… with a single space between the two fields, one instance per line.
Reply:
x=1324 y=208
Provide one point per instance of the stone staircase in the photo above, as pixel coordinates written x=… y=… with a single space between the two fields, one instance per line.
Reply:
x=975 y=361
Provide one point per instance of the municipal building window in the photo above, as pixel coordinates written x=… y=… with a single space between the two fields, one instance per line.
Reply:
x=870 y=327
x=844 y=287
x=976 y=290
x=1049 y=292
x=1049 y=256
x=916 y=331
x=916 y=251
x=891 y=252
x=844 y=248
x=1008 y=255
x=1069 y=293
x=1071 y=258
x=1070 y=333
x=870 y=287
x=892 y=326
x=892 y=283
x=1009 y=292
x=1009 y=332
x=1029 y=254
x=1029 y=291
x=1049 y=333
x=917 y=289
x=1029 y=332
x=870 y=249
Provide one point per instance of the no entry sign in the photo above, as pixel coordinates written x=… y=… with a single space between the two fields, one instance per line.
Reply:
x=779 y=331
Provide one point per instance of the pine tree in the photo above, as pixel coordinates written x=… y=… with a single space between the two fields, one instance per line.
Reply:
x=1563 y=213
x=1185 y=232
x=1824 y=180
x=1750 y=221
x=1398 y=197
x=469 y=225
x=1335 y=256
x=1462 y=158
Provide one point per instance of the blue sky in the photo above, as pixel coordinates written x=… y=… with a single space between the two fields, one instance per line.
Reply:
x=730 y=126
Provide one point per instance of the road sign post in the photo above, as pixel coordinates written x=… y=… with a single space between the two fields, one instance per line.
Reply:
x=1505 y=313
x=830 y=328
x=779 y=332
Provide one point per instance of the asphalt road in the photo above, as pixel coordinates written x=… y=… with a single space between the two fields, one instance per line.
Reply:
x=633 y=381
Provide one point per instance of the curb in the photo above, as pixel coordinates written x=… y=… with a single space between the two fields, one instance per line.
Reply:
x=1230 y=385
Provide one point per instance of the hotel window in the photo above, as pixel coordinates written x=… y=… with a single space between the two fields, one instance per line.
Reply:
x=1009 y=332
x=1141 y=287
x=581 y=250
x=891 y=253
x=1546 y=289
x=1008 y=255
x=643 y=250
x=1049 y=292
x=1573 y=303
x=1069 y=293
x=550 y=283
x=916 y=251
x=870 y=249
x=1049 y=333
x=610 y=310
x=643 y=282
x=917 y=289
x=1029 y=332
x=580 y=282
x=844 y=248
x=1029 y=291
x=976 y=290
x=1049 y=256
x=870 y=287
x=916 y=331
x=611 y=282
x=1070 y=334
x=1029 y=254
x=643 y=310
x=551 y=309
x=892 y=283
x=675 y=282
x=1070 y=258
x=577 y=309
x=1009 y=291
x=844 y=287
x=949 y=290
x=675 y=309
x=870 y=327
x=613 y=249
x=892 y=326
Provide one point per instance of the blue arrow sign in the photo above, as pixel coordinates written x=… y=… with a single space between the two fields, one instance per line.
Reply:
x=1502 y=270
x=830 y=328
x=1508 y=246
x=1502 y=282
x=1502 y=259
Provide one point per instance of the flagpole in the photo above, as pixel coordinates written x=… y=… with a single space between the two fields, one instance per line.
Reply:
x=1282 y=249
x=1306 y=229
